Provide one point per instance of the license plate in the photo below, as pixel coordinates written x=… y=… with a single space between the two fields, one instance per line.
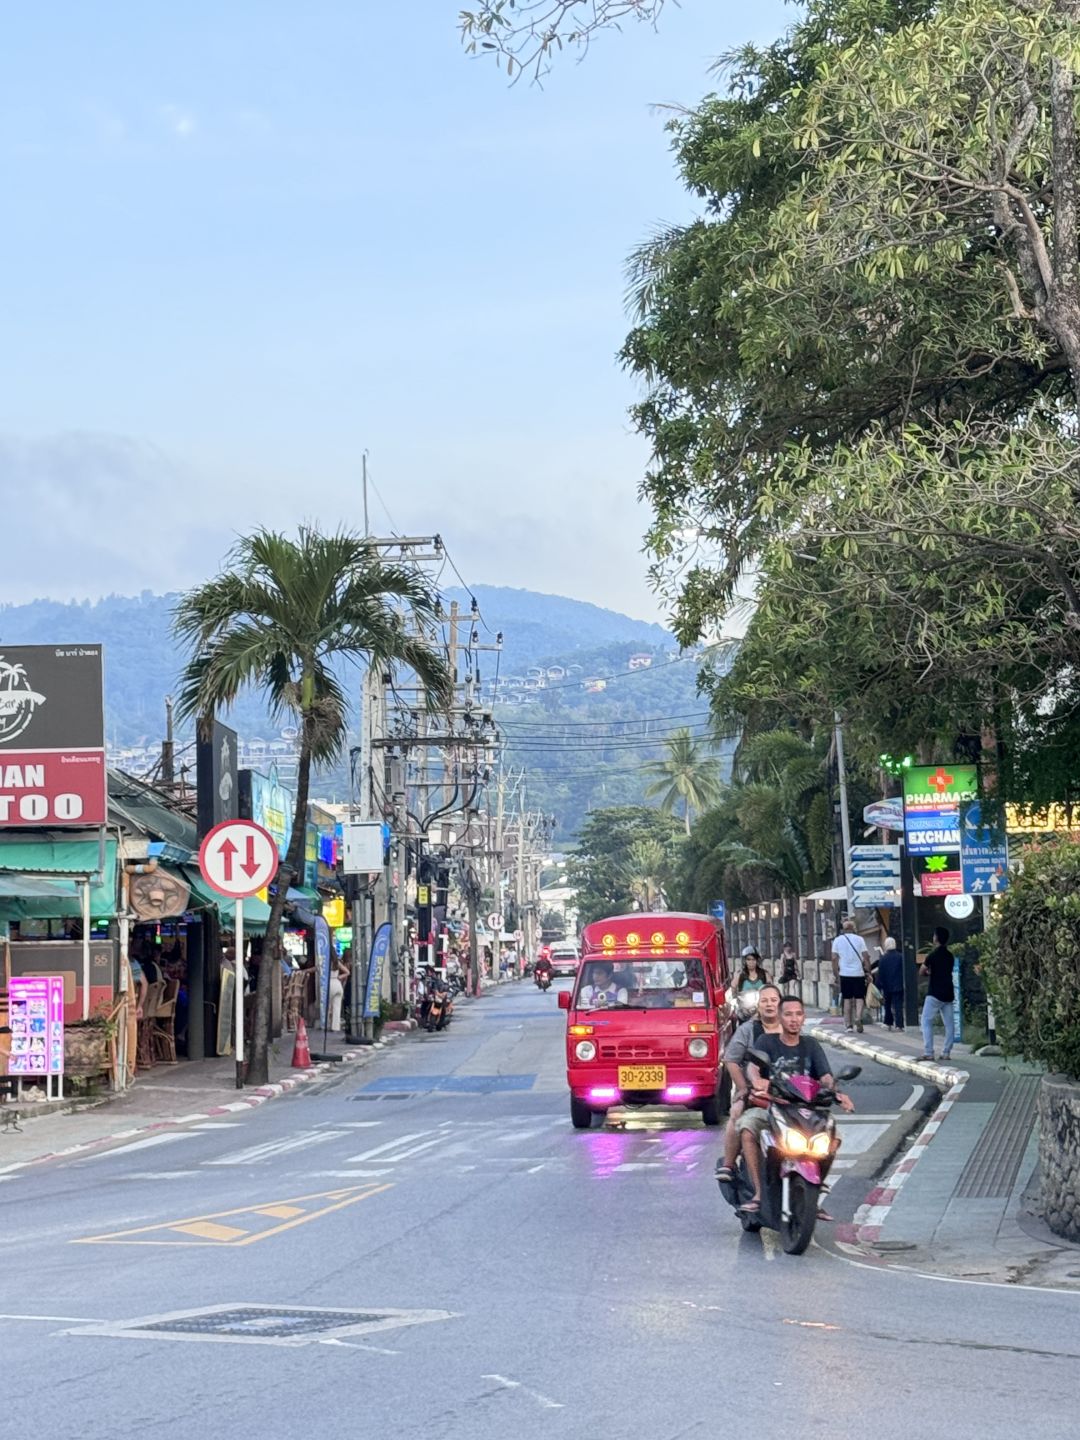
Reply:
x=642 y=1077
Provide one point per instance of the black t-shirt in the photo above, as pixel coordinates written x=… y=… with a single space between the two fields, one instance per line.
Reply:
x=940 y=964
x=805 y=1058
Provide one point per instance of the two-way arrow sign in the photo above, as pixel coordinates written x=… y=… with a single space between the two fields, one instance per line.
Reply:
x=238 y=858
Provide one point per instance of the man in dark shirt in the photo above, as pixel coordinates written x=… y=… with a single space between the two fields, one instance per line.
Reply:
x=789 y=1053
x=940 y=995
x=890 y=979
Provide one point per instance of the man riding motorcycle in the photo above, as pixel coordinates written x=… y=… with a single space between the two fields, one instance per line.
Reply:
x=789 y=1053
x=765 y=1022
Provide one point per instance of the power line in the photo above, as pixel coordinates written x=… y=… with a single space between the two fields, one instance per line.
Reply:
x=699 y=715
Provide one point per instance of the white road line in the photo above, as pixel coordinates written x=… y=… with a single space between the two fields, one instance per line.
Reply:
x=390 y=1145
x=257 y=1153
x=913 y=1098
x=404 y=1154
x=861 y=1116
x=544 y=1401
x=162 y=1174
x=220 y=1125
x=63 y=1319
x=147 y=1144
x=348 y=1124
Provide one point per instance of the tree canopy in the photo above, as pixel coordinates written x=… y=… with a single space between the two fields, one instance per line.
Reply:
x=614 y=846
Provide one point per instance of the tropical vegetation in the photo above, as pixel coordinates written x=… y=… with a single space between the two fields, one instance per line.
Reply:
x=687 y=776
x=281 y=617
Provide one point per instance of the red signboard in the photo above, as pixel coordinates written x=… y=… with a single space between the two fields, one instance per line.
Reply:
x=942 y=882
x=52 y=736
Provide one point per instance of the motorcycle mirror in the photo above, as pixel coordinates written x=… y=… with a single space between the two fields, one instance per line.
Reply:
x=564 y=999
x=849 y=1072
x=760 y=1059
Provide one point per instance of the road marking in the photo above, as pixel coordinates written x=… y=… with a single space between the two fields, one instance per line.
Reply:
x=350 y=1124
x=544 y=1401
x=60 y=1319
x=415 y=1150
x=220 y=1125
x=207 y=1229
x=913 y=1098
x=256 y=1154
x=389 y=1145
x=147 y=1144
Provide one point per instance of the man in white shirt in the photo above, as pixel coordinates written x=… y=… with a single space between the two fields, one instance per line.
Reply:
x=851 y=965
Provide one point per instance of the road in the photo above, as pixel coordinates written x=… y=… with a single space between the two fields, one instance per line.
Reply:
x=554 y=1283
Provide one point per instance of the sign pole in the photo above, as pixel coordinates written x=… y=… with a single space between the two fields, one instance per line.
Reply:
x=238 y=996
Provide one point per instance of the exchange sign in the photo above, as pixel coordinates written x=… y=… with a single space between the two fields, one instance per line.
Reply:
x=52 y=735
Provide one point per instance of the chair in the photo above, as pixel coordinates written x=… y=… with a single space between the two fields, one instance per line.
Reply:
x=163 y=1025
x=144 y=1052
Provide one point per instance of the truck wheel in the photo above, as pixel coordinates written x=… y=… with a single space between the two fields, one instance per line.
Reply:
x=580 y=1114
x=725 y=1093
x=711 y=1113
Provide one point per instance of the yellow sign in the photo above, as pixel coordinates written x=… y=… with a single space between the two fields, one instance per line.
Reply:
x=334 y=912
x=1054 y=819
x=423 y=895
x=246 y=1226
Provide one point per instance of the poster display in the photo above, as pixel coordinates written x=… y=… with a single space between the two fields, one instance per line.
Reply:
x=36 y=1007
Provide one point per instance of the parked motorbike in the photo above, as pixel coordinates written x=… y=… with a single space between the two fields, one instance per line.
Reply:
x=798 y=1148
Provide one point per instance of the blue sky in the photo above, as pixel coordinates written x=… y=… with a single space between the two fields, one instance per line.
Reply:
x=244 y=241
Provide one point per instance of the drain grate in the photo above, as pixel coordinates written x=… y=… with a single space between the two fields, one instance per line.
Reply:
x=263 y=1324
x=992 y=1167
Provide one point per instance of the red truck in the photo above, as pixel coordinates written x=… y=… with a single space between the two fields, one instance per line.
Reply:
x=649 y=1016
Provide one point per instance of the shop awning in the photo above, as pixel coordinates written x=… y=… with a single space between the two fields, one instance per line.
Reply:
x=838 y=892
x=39 y=878
x=256 y=911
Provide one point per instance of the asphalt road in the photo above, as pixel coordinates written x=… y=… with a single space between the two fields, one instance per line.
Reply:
x=554 y=1283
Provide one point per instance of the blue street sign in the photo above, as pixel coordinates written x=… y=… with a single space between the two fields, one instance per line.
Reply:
x=380 y=948
x=984 y=849
x=718 y=910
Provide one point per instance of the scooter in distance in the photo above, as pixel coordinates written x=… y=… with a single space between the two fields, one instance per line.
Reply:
x=543 y=979
x=798 y=1148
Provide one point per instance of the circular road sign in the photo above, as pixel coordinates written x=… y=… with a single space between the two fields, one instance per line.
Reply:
x=495 y=922
x=238 y=858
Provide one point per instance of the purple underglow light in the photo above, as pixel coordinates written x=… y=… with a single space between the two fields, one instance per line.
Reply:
x=603 y=1092
x=679 y=1092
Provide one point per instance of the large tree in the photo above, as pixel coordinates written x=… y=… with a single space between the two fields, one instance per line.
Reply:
x=605 y=869
x=687 y=776
x=284 y=616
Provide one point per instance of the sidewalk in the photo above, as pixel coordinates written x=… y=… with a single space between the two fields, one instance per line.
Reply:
x=166 y=1096
x=959 y=1203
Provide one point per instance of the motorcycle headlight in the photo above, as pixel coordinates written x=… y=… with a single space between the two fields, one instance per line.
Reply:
x=821 y=1143
x=585 y=1050
x=698 y=1048
x=793 y=1142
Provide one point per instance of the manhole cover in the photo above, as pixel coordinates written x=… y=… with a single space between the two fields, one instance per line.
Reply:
x=262 y=1324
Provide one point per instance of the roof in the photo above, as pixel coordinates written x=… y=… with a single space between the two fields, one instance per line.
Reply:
x=144 y=809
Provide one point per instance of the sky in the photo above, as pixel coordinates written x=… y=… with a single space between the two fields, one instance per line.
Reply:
x=244 y=243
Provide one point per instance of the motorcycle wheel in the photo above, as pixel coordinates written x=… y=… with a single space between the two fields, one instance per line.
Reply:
x=580 y=1114
x=796 y=1233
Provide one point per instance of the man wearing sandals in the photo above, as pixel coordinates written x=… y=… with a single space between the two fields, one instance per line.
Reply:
x=790 y=1053
x=765 y=1022
x=851 y=965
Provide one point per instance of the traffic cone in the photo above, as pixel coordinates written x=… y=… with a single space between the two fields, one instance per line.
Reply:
x=301 y=1055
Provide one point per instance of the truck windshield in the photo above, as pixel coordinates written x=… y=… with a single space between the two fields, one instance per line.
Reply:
x=659 y=982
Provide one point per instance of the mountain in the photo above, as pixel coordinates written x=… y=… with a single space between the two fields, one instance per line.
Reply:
x=581 y=747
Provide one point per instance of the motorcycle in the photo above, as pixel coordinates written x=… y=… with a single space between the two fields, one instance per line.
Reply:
x=438 y=1008
x=543 y=979
x=798 y=1148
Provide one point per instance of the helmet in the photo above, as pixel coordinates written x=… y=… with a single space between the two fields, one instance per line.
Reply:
x=749 y=950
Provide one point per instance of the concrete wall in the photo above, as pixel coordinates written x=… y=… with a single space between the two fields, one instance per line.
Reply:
x=1059 y=1154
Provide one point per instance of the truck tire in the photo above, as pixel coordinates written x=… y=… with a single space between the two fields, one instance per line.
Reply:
x=580 y=1114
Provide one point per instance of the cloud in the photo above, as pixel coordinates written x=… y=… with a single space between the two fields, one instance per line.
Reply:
x=180 y=121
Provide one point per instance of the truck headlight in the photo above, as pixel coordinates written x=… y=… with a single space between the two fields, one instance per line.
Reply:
x=698 y=1048
x=585 y=1050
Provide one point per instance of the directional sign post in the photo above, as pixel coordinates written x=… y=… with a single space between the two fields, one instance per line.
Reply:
x=237 y=859
x=875 y=876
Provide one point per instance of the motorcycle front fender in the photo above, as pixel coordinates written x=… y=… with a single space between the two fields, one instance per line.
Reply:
x=810 y=1170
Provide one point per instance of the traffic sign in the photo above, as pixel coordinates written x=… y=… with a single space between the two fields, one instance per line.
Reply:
x=874 y=872
x=718 y=910
x=495 y=922
x=238 y=858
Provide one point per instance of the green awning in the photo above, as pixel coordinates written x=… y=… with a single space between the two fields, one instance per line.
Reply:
x=39 y=879
x=256 y=911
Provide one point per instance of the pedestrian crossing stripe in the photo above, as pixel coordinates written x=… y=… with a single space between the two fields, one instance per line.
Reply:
x=244 y=1226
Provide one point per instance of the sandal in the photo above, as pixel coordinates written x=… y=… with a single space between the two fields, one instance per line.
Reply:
x=725 y=1175
x=751 y=1207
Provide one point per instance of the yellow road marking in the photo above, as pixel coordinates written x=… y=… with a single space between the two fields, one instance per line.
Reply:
x=206 y=1229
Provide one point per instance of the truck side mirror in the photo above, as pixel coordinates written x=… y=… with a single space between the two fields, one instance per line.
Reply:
x=564 y=999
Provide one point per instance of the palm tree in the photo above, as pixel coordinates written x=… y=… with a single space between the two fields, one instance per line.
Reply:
x=685 y=773
x=283 y=616
x=644 y=870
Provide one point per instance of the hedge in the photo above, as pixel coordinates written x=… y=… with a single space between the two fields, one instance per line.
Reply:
x=1031 y=959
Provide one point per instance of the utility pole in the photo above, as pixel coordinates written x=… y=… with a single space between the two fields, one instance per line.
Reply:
x=367 y=527
x=845 y=817
x=168 y=748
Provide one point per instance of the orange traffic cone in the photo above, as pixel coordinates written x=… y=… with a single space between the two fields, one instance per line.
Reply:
x=301 y=1055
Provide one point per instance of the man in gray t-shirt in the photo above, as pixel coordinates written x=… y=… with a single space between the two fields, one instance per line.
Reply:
x=765 y=1022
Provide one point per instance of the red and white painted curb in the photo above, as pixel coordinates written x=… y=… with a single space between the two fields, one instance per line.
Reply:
x=873 y=1212
x=259 y=1096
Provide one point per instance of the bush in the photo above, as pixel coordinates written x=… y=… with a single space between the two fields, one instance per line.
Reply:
x=1031 y=959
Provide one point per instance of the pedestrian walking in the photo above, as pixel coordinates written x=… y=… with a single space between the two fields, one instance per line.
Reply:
x=889 y=968
x=940 y=995
x=851 y=964
x=789 y=970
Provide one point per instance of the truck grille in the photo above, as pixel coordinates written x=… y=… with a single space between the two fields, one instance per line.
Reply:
x=627 y=1050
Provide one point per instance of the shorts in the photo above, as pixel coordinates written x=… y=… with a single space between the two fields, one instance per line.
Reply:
x=853 y=987
x=754 y=1121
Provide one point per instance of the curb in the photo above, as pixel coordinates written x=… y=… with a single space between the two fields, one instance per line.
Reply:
x=873 y=1212
x=259 y=1096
